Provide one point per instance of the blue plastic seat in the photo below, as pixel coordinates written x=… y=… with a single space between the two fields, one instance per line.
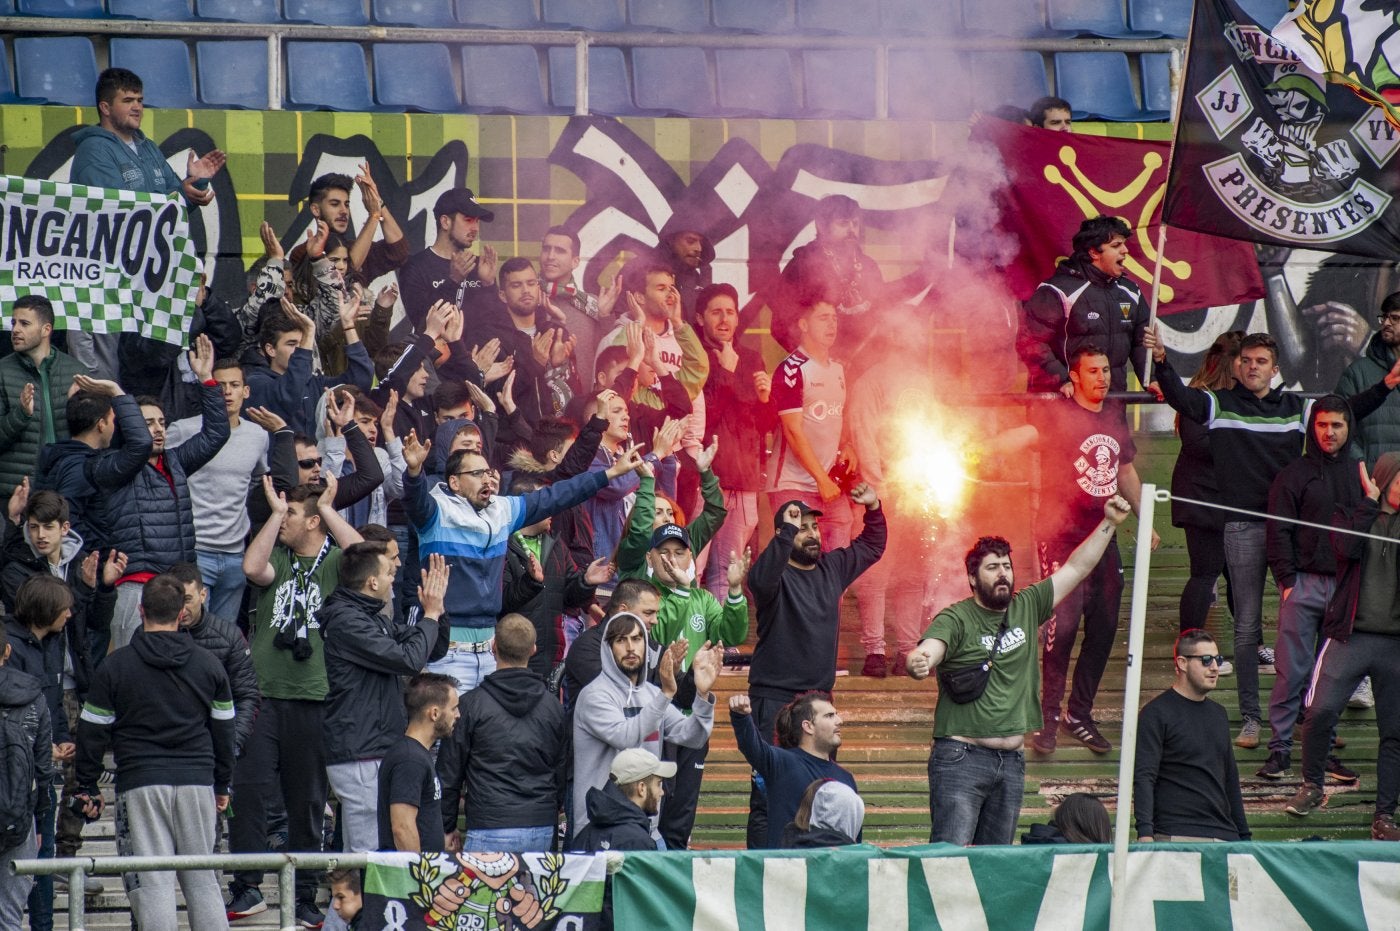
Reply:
x=609 y=91
x=1092 y=17
x=415 y=76
x=1266 y=13
x=326 y=12
x=1001 y=78
x=502 y=78
x=673 y=80
x=1156 y=83
x=909 y=87
x=593 y=15
x=498 y=14
x=60 y=70
x=918 y=17
x=771 y=17
x=238 y=11
x=839 y=83
x=1023 y=18
x=164 y=66
x=232 y=73
x=168 y=11
x=413 y=12
x=1098 y=84
x=7 y=86
x=839 y=17
x=74 y=9
x=1167 y=17
x=755 y=82
x=327 y=76
x=669 y=15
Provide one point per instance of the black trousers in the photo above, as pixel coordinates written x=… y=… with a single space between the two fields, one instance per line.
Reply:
x=1097 y=599
x=285 y=755
x=682 y=793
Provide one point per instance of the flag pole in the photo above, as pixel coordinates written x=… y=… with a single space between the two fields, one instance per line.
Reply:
x=1156 y=285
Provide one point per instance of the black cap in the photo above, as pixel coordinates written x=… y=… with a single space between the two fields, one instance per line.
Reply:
x=669 y=532
x=802 y=505
x=461 y=200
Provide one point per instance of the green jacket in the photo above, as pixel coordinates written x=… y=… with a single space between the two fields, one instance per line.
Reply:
x=636 y=542
x=697 y=616
x=1379 y=431
x=22 y=435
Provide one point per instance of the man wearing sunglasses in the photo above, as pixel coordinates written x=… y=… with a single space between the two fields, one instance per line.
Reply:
x=1186 y=786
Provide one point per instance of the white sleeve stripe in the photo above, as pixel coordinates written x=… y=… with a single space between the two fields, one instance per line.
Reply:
x=94 y=718
x=221 y=714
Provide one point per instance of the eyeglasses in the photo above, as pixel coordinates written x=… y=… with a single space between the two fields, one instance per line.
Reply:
x=479 y=473
x=1207 y=660
x=1392 y=318
x=309 y=463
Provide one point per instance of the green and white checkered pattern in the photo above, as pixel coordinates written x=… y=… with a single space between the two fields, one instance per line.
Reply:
x=116 y=303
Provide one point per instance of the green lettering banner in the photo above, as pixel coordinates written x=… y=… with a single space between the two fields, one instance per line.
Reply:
x=1260 y=887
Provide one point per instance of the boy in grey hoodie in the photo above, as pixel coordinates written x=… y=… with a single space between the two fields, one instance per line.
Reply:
x=620 y=709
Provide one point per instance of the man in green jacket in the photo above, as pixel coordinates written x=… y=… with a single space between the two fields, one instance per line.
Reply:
x=1379 y=431
x=34 y=383
x=691 y=614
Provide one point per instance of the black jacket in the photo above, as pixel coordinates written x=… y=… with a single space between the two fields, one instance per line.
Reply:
x=164 y=707
x=1081 y=305
x=614 y=823
x=734 y=414
x=796 y=838
x=86 y=476
x=563 y=589
x=508 y=752
x=42 y=659
x=20 y=690
x=152 y=516
x=282 y=466
x=1311 y=488
x=365 y=655
x=18 y=562
x=230 y=648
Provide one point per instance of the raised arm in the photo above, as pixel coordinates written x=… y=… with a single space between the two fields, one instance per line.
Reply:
x=1086 y=555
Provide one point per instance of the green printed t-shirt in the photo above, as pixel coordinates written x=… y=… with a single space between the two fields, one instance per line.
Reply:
x=1011 y=703
x=280 y=675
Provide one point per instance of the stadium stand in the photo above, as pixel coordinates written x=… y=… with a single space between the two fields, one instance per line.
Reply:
x=56 y=69
x=167 y=11
x=839 y=84
x=502 y=79
x=1093 y=18
x=412 y=12
x=665 y=81
x=75 y=9
x=238 y=11
x=232 y=73
x=594 y=15
x=164 y=65
x=330 y=75
x=762 y=16
x=414 y=76
x=755 y=82
x=609 y=90
x=668 y=15
x=498 y=14
x=1099 y=84
x=1164 y=17
x=326 y=12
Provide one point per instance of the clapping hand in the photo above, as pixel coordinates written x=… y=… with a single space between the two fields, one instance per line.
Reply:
x=599 y=571
x=415 y=453
x=706 y=457
x=706 y=665
x=433 y=590
x=202 y=358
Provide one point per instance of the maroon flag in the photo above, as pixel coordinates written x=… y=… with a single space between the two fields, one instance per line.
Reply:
x=1056 y=180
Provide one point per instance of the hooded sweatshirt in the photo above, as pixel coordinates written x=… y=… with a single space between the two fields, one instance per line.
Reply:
x=42 y=659
x=1380 y=430
x=614 y=823
x=164 y=706
x=103 y=160
x=19 y=561
x=614 y=714
x=508 y=752
x=1311 y=488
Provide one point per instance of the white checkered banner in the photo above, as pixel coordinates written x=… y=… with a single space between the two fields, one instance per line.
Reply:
x=110 y=261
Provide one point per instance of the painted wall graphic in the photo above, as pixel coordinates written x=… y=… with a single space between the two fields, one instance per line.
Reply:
x=623 y=184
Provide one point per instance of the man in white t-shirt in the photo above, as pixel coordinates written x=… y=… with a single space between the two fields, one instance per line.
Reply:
x=809 y=392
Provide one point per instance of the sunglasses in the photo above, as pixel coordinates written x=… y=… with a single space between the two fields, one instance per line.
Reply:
x=309 y=463
x=1206 y=659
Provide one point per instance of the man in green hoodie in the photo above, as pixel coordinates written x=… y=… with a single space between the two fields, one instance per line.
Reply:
x=689 y=612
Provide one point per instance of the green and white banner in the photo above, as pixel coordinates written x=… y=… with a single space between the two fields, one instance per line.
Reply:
x=110 y=261
x=481 y=891
x=1261 y=887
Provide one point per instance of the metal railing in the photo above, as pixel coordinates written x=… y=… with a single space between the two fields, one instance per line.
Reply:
x=275 y=33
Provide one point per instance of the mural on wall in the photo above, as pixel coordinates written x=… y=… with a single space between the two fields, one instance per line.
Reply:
x=623 y=185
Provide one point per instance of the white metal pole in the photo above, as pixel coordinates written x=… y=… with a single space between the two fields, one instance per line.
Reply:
x=1132 y=689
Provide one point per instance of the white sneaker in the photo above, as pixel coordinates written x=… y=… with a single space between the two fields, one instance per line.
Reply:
x=1362 y=697
x=1226 y=668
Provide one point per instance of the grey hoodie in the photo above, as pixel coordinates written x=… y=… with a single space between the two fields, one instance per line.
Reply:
x=614 y=714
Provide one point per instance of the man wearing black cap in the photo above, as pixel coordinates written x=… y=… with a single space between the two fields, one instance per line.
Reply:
x=689 y=612
x=448 y=270
x=798 y=590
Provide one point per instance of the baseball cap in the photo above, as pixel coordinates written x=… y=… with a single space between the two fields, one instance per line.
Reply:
x=669 y=532
x=636 y=764
x=802 y=505
x=461 y=200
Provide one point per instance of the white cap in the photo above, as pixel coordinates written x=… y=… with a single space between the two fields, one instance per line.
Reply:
x=636 y=764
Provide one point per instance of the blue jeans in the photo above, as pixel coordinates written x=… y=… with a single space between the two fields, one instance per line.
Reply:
x=1295 y=651
x=510 y=840
x=466 y=667
x=1247 y=558
x=974 y=794
x=223 y=576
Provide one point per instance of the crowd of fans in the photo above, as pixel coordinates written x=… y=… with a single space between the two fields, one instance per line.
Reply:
x=472 y=576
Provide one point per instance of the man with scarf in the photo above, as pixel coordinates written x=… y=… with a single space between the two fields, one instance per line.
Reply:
x=295 y=559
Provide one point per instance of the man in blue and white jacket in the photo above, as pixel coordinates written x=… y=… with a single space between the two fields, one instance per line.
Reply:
x=463 y=519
